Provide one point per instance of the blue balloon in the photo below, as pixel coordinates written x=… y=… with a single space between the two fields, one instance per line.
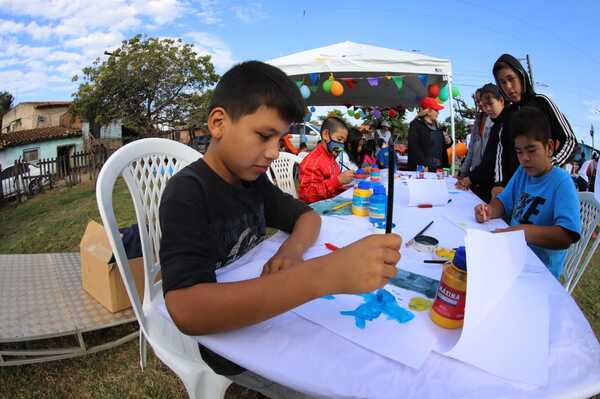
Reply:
x=305 y=91
x=312 y=109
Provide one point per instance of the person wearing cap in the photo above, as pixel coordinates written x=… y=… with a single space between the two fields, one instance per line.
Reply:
x=384 y=133
x=427 y=143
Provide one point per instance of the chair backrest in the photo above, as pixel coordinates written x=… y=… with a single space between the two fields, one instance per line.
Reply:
x=283 y=169
x=574 y=267
x=146 y=165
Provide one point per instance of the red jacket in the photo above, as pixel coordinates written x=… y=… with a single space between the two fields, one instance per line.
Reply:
x=319 y=173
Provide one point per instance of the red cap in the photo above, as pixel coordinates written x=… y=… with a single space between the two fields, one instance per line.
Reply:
x=429 y=102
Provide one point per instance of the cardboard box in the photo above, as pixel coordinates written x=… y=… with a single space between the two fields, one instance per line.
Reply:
x=101 y=279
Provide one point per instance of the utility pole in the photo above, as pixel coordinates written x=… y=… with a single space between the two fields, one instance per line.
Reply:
x=530 y=70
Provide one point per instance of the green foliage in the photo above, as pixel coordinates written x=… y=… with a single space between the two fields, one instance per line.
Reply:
x=148 y=83
x=6 y=103
x=337 y=113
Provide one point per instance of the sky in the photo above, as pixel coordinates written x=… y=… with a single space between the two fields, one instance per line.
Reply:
x=43 y=44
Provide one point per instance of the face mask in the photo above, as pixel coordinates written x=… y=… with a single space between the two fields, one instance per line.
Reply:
x=335 y=147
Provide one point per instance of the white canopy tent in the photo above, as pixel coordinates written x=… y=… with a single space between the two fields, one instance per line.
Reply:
x=370 y=71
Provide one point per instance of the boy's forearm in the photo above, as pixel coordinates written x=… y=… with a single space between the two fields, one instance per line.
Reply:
x=551 y=237
x=305 y=233
x=216 y=307
x=497 y=209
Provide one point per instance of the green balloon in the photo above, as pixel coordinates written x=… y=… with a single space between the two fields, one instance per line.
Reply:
x=455 y=92
x=444 y=93
x=350 y=112
x=327 y=85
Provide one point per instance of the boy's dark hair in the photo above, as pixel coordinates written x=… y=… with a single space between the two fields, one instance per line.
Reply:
x=351 y=145
x=247 y=86
x=531 y=123
x=303 y=145
x=498 y=65
x=333 y=124
x=492 y=90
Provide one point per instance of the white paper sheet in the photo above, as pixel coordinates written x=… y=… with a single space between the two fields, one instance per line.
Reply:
x=408 y=343
x=427 y=191
x=498 y=304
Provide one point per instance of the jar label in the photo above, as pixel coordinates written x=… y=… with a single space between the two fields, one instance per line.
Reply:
x=449 y=303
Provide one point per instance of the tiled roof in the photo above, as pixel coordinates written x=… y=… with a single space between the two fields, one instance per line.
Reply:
x=34 y=135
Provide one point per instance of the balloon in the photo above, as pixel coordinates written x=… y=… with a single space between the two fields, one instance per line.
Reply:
x=327 y=85
x=305 y=91
x=362 y=114
x=461 y=149
x=444 y=93
x=455 y=91
x=350 y=112
x=356 y=115
x=312 y=109
x=434 y=90
x=336 y=88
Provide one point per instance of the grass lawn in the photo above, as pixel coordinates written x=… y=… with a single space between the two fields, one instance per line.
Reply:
x=54 y=222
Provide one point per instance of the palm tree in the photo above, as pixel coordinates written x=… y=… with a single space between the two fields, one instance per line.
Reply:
x=6 y=102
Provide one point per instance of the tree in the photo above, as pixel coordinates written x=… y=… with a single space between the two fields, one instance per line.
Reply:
x=6 y=103
x=147 y=83
x=335 y=113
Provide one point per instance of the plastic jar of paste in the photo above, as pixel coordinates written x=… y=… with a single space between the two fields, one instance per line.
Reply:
x=375 y=174
x=360 y=199
x=448 y=309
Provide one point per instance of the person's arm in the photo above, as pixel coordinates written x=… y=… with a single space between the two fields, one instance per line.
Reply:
x=551 y=237
x=485 y=212
x=562 y=133
x=216 y=307
x=314 y=186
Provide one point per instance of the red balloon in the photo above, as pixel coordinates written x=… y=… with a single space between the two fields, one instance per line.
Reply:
x=434 y=90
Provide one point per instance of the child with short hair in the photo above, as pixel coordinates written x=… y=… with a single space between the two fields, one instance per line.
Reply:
x=217 y=209
x=320 y=174
x=540 y=198
x=349 y=158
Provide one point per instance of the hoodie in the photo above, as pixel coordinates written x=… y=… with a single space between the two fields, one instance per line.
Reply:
x=426 y=146
x=561 y=130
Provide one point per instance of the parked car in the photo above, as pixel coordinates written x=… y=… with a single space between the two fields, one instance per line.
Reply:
x=312 y=134
x=30 y=180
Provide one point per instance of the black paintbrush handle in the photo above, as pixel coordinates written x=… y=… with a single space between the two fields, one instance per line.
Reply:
x=391 y=174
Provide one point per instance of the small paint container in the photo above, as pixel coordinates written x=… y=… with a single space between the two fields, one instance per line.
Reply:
x=425 y=243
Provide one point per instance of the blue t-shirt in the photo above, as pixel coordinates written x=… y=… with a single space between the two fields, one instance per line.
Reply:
x=382 y=157
x=548 y=200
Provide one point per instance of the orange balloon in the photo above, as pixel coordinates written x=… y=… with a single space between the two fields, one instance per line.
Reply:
x=336 y=88
x=461 y=149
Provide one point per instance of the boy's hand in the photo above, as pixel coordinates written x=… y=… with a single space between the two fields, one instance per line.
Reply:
x=346 y=177
x=483 y=213
x=283 y=259
x=464 y=183
x=496 y=191
x=365 y=265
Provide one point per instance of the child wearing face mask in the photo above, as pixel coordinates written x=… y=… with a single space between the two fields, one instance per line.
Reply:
x=320 y=175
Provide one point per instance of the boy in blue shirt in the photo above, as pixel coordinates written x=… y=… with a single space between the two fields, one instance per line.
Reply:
x=540 y=198
x=217 y=209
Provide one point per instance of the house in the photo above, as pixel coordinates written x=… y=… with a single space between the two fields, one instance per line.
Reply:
x=38 y=114
x=35 y=130
x=31 y=145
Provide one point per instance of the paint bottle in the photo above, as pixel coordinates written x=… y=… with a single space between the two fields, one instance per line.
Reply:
x=440 y=173
x=420 y=172
x=359 y=176
x=377 y=204
x=448 y=309
x=360 y=199
x=375 y=174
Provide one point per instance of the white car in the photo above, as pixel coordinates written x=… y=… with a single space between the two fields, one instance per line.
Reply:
x=311 y=132
x=31 y=184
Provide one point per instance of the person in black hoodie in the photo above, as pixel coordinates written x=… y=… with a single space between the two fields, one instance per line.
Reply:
x=427 y=143
x=515 y=84
x=484 y=176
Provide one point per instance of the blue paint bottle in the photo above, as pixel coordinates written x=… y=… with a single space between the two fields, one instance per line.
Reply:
x=378 y=204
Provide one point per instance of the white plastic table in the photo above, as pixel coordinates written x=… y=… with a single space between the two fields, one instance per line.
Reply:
x=293 y=351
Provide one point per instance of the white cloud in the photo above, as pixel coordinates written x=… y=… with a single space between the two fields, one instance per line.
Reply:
x=205 y=43
x=249 y=12
x=161 y=11
x=95 y=43
x=208 y=13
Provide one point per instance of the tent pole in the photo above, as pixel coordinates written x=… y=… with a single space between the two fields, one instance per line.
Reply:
x=452 y=124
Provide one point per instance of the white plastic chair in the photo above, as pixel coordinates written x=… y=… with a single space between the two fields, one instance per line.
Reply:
x=283 y=170
x=146 y=165
x=589 y=210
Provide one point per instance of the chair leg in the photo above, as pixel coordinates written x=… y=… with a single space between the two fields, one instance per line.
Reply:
x=143 y=351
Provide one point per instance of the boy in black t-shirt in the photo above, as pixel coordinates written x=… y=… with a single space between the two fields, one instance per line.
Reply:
x=217 y=208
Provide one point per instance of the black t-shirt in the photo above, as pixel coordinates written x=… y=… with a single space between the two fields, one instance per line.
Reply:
x=207 y=223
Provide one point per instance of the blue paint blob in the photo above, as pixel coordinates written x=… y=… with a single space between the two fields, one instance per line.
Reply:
x=329 y=297
x=375 y=304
